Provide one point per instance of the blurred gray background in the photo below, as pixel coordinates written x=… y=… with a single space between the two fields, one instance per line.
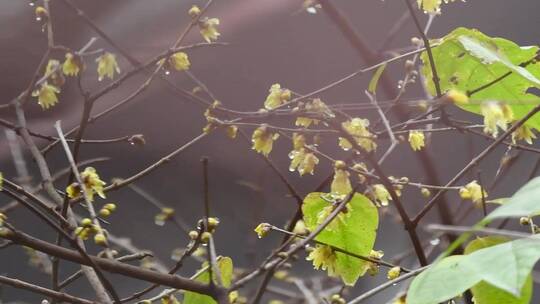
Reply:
x=270 y=41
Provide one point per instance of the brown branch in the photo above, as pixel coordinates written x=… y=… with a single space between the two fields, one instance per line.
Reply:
x=436 y=79
x=60 y=296
x=113 y=266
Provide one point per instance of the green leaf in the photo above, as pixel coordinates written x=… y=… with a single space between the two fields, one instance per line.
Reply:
x=485 y=293
x=505 y=266
x=372 y=88
x=466 y=60
x=523 y=203
x=225 y=266
x=354 y=231
x=443 y=281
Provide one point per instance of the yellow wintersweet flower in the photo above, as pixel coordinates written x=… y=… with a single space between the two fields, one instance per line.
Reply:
x=194 y=11
x=263 y=140
x=319 y=107
x=430 y=6
x=376 y=254
x=525 y=133
x=180 y=61
x=357 y=128
x=400 y=300
x=416 y=140
x=100 y=239
x=394 y=273
x=296 y=156
x=72 y=65
x=324 y=258
x=73 y=190
x=277 y=97
x=46 y=95
x=308 y=164
x=169 y=299
x=234 y=297
x=107 y=66
x=262 y=229
x=299 y=141
x=300 y=228
x=92 y=181
x=305 y=122
x=210 y=118
x=208 y=29
x=341 y=185
x=304 y=161
x=231 y=131
x=425 y=192
x=458 y=97
x=41 y=13
x=496 y=115
x=92 y=184
x=54 y=74
x=338 y=221
x=316 y=106
x=473 y=191
x=381 y=194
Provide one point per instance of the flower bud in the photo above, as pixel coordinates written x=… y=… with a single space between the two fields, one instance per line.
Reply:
x=41 y=14
x=213 y=222
x=104 y=212
x=393 y=273
x=205 y=237
x=194 y=11
x=100 y=239
x=525 y=221
x=110 y=206
x=86 y=222
x=193 y=234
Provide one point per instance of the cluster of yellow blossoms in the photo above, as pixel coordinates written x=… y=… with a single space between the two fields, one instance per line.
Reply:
x=277 y=97
x=87 y=229
x=315 y=107
x=496 y=115
x=107 y=65
x=47 y=91
x=207 y=26
x=357 y=128
x=72 y=66
x=301 y=159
